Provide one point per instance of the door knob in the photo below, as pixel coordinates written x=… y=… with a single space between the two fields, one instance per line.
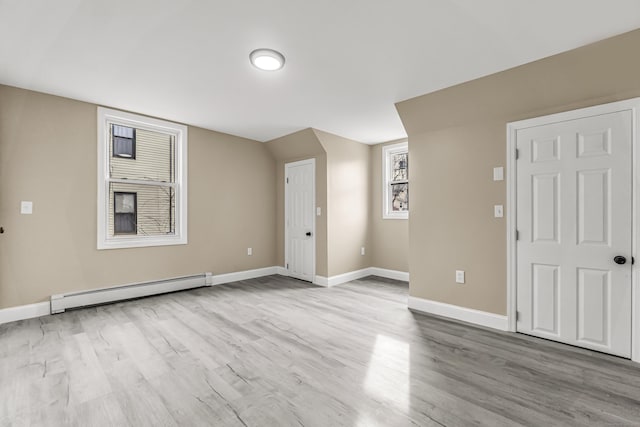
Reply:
x=619 y=259
x=308 y=233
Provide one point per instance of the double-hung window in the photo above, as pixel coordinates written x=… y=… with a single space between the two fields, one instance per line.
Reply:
x=142 y=171
x=395 y=164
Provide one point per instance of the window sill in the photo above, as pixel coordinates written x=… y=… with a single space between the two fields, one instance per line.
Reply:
x=137 y=242
x=396 y=216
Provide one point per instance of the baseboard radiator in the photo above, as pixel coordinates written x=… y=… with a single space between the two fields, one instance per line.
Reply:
x=62 y=302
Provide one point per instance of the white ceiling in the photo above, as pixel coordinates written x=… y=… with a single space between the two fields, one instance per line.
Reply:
x=348 y=62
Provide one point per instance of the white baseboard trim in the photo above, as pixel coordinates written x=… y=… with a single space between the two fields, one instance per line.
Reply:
x=389 y=274
x=359 y=274
x=219 y=279
x=321 y=281
x=347 y=277
x=24 y=312
x=469 y=315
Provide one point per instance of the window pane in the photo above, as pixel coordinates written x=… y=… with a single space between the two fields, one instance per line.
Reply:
x=400 y=197
x=125 y=223
x=122 y=147
x=122 y=131
x=154 y=158
x=155 y=211
x=123 y=138
x=125 y=203
x=400 y=167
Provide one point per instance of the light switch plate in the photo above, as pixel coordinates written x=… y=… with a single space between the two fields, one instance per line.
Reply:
x=249 y=251
x=498 y=211
x=26 y=208
x=459 y=276
x=498 y=174
x=318 y=211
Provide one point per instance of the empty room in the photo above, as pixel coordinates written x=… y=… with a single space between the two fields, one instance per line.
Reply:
x=292 y=213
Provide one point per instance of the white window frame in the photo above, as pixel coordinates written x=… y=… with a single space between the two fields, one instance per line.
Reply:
x=387 y=152
x=106 y=117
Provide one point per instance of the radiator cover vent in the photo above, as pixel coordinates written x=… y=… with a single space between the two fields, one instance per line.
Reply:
x=62 y=302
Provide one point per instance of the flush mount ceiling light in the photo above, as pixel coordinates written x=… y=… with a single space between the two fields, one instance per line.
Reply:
x=267 y=59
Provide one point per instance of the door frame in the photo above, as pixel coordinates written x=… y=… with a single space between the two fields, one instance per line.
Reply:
x=632 y=105
x=311 y=162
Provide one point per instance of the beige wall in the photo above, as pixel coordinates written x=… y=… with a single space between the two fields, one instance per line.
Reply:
x=301 y=145
x=348 y=183
x=456 y=137
x=48 y=154
x=348 y=200
x=389 y=237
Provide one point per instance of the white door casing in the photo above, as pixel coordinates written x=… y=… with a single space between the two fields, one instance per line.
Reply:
x=299 y=219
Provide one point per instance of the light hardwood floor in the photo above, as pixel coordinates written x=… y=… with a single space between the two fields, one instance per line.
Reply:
x=278 y=352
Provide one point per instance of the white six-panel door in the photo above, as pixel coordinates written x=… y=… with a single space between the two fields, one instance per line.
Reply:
x=574 y=217
x=299 y=219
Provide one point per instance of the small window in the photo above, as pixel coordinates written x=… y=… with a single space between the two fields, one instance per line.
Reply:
x=123 y=141
x=395 y=163
x=125 y=208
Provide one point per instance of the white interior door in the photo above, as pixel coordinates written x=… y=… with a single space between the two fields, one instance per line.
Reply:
x=300 y=220
x=574 y=221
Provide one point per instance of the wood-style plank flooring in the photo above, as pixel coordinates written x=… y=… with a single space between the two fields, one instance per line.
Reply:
x=275 y=351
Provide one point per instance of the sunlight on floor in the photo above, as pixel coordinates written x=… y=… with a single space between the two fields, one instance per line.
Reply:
x=387 y=377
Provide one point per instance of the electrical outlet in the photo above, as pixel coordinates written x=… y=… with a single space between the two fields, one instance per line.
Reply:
x=249 y=251
x=362 y=250
x=26 y=208
x=459 y=276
